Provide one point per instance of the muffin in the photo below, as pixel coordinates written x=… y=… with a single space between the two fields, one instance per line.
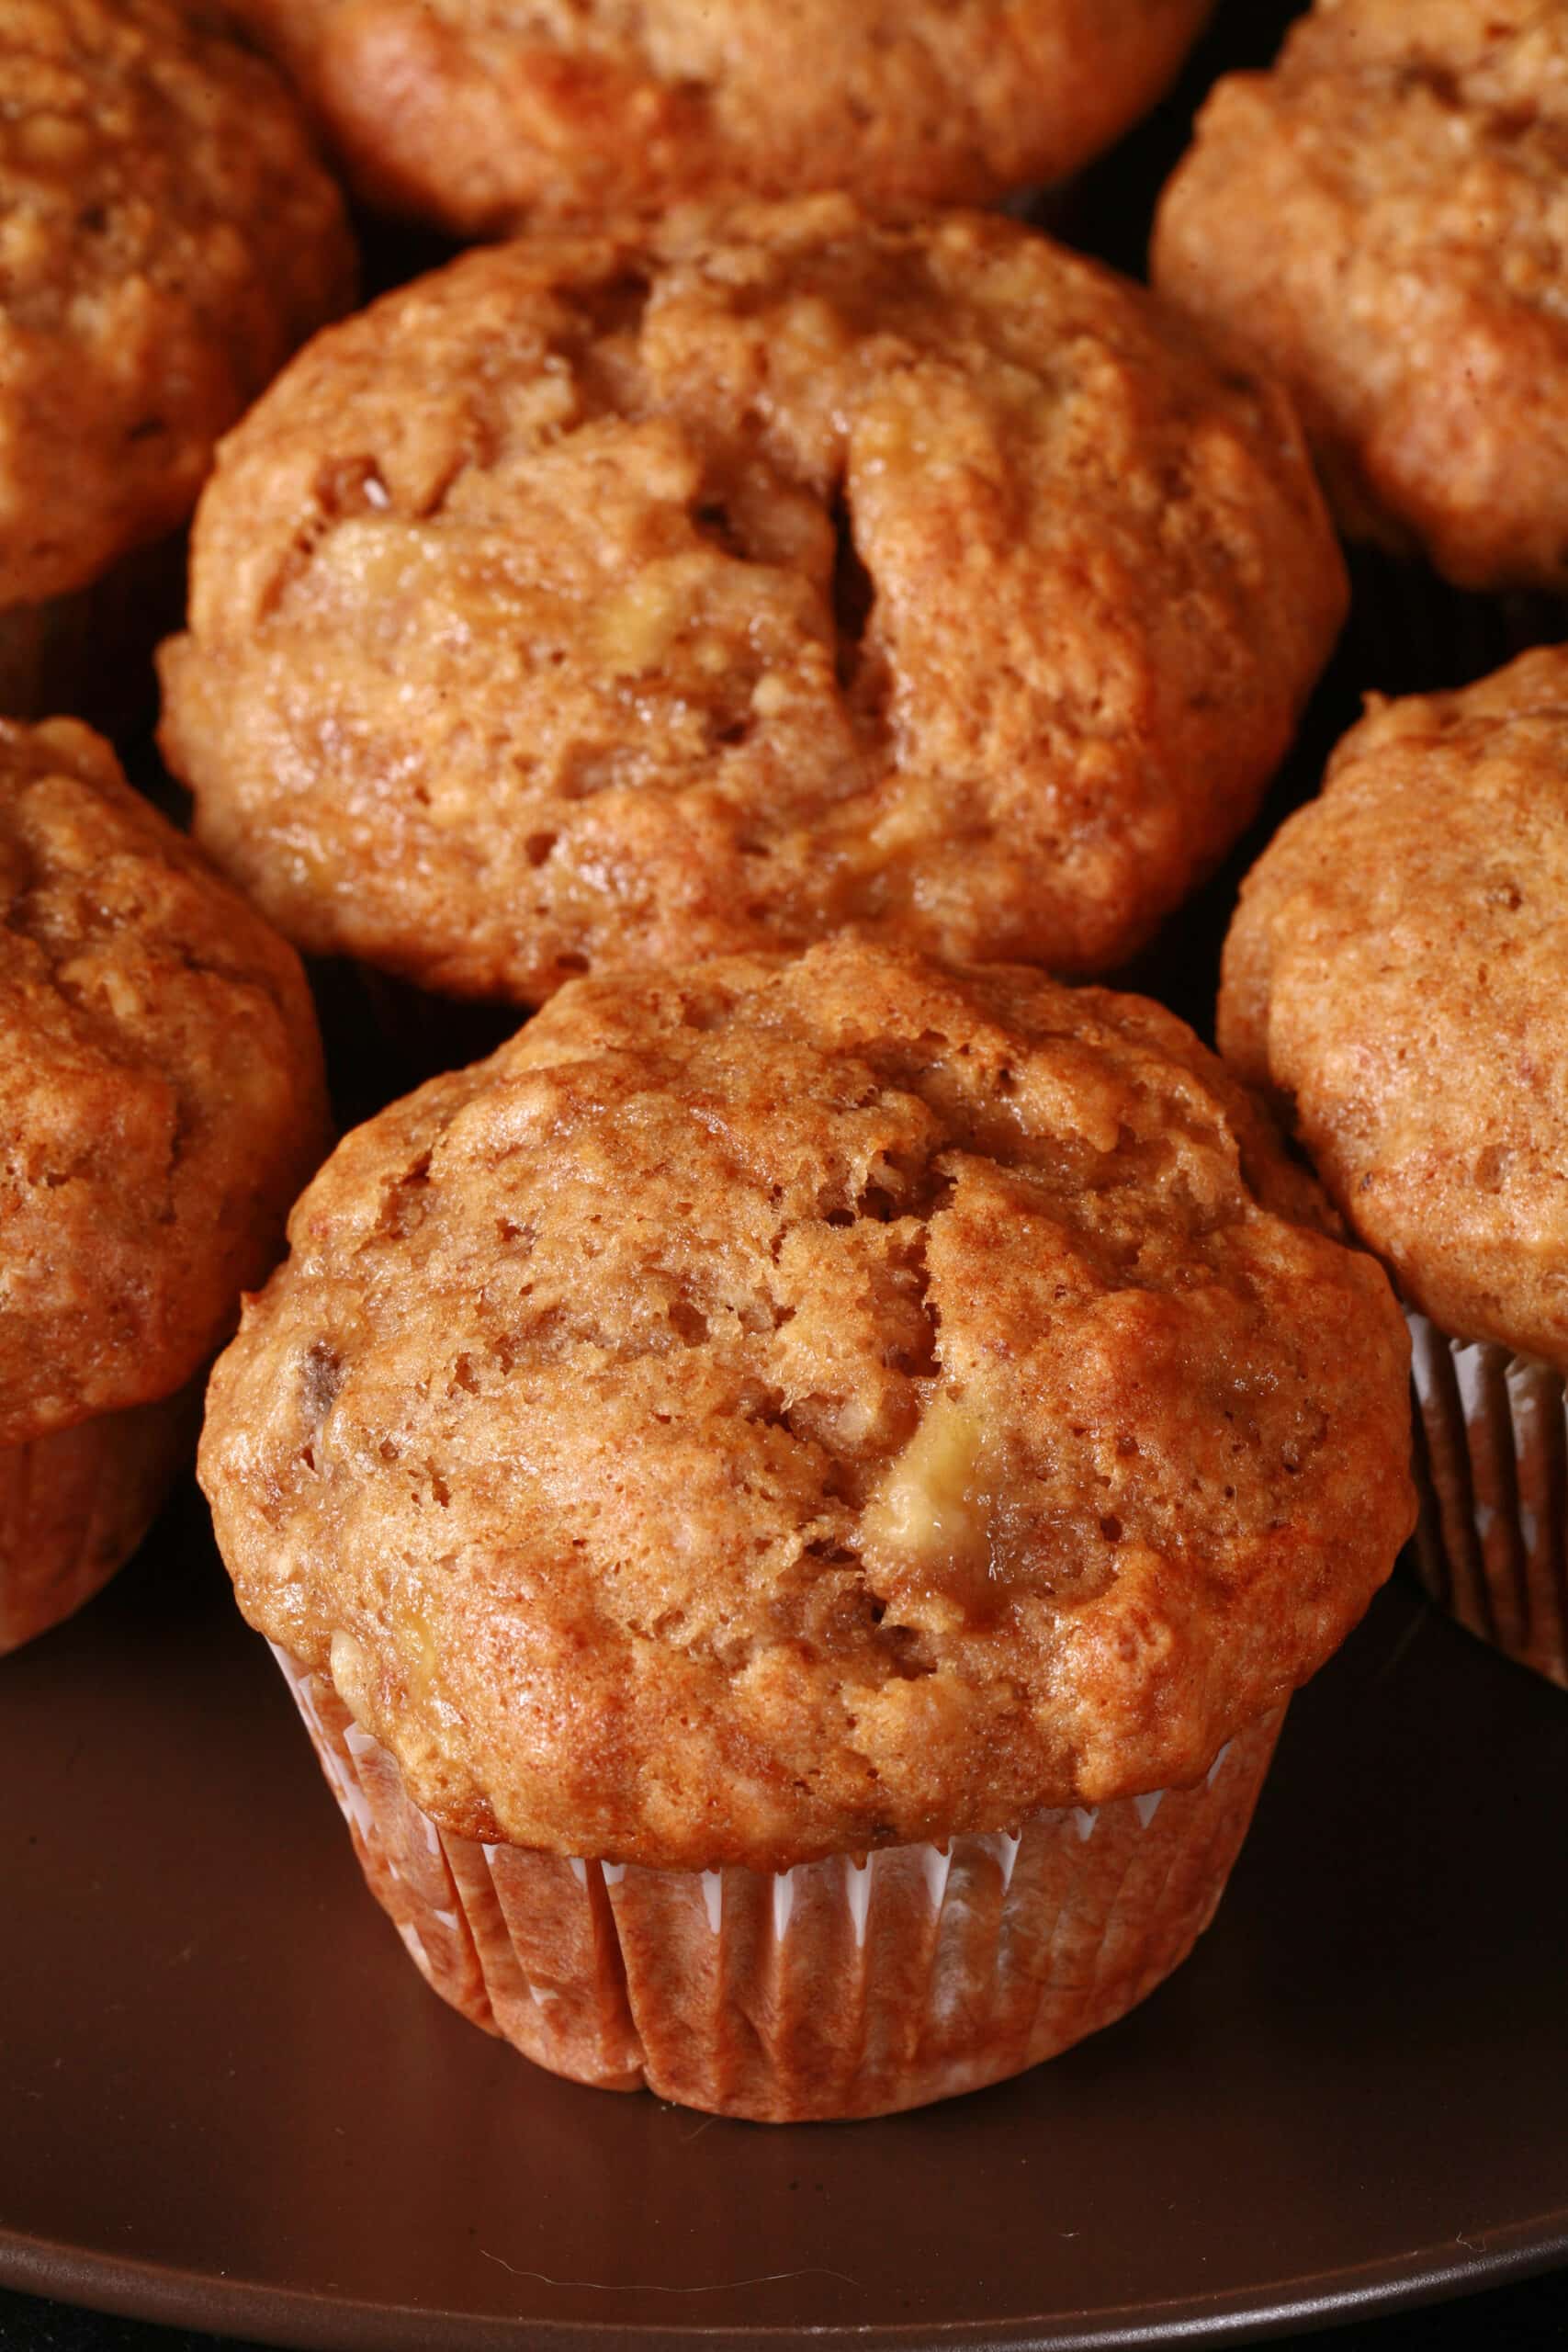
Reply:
x=792 y=1499
x=612 y=599
x=167 y=238
x=161 y=1103
x=1383 y=220
x=483 y=120
x=1397 y=975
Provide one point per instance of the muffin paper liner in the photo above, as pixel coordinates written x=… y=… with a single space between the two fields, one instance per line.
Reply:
x=74 y=1505
x=1492 y=1468
x=384 y=1036
x=851 y=1986
x=90 y=653
x=1410 y=632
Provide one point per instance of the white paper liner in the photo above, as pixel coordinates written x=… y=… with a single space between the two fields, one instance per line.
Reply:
x=851 y=1986
x=74 y=1505
x=1492 y=1468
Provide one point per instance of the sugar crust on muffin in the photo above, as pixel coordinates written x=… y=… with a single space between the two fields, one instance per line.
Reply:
x=1397 y=974
x=782 y=1407
x=626 y=596
x=1383 y=220
x=162 y=1097
x=167 y=237
x=481 y=117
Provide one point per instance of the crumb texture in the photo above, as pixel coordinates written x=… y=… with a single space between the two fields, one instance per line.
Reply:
x=161 y=1092
x=167 y=238
x=481 y=115
x=784 y=1408
x=1397 y=973
x=636 y=595
x=1383 y=219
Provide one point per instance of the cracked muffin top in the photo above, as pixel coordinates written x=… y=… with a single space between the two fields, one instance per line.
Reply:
x=161 y=1091
x=1383 y=219
x=774 y=1407
x=484 y=114
x=625 y=597
x=1397 y=974
x=167 y=238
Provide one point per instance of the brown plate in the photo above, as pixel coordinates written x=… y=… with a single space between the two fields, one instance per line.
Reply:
x=226 y=2099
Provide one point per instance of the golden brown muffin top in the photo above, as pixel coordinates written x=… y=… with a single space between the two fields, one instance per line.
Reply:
x=1383 y=219
x=1398 y=972
x=482 y=114
x=778 y=1408
x=161 y=1091
x=624 y=597
x=167 y=239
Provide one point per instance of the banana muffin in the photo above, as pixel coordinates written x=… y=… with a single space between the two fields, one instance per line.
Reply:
x=161 y=1103
x=777 y=1413
x=167 y=238
x=1383 y=220
x=615 y=598
x=1397 y=975
x=482 y=119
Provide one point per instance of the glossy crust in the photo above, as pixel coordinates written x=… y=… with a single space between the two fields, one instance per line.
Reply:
x=778 y=1408
x=620 y=598
x=1398 y=972
x=161 y=1091
x=167 y=238
x=482 y=116
x=1383 y=220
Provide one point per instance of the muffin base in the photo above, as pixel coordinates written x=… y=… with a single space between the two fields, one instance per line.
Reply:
x=854 y=1987
x=89 y=654
x=385 y=1036
x=1491 y=1468
x=75 y=1504
x=1410 y=632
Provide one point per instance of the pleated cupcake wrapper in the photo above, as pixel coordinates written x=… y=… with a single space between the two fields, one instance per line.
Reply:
x=1410 y=632
x=74 y=1505
x=90 y=651
x=384 y=1036
x=851 y=1986
x=1492 y=1468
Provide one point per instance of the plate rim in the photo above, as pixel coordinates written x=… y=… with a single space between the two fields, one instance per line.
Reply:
x=292 y=2318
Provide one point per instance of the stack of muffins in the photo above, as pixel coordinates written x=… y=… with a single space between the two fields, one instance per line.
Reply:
x=792 y=1496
